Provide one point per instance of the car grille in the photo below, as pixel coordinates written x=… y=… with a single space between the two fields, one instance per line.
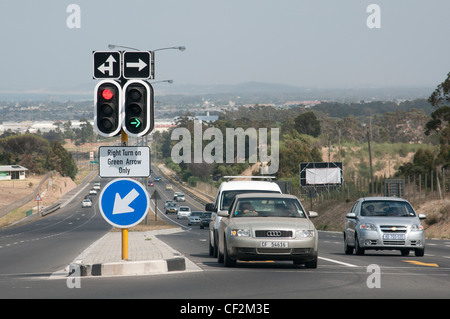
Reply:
x=394 y=242
x=273 y=233
x=275 y=251
x=393 y=229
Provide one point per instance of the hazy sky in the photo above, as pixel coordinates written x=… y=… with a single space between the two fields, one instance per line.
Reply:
x=307 y=43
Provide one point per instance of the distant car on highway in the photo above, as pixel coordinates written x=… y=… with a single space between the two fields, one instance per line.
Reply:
x=261 y=226
x=205 y=219
x=92 y=191
x=168 y=202
x=384 y=223
x=183 y=212
x=169 y=187
x=86 y=203
x=97 y=186
x=172 y=208
x=195 y=218
x=157 y=178
x=150 y=183
x=179 y=197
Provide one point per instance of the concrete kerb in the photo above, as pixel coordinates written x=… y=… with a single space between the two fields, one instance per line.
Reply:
x=148 y=255
x=130 y=268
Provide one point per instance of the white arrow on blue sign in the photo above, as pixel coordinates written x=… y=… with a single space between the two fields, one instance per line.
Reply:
x=124 y=202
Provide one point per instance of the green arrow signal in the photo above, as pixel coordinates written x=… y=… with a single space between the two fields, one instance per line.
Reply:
x=135 y=122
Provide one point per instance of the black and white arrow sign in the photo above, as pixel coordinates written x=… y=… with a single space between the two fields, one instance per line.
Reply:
x=140 y=65
x=137 y=65
x=106 y=64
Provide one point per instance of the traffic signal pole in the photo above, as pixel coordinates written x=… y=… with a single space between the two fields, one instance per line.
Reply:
x=124 y=142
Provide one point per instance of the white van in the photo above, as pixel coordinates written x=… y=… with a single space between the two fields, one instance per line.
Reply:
x=225 y=195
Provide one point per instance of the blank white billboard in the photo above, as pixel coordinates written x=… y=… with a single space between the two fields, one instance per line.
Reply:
x=318 y=176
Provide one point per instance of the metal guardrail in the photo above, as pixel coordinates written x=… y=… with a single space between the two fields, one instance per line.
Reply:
x=50 y=209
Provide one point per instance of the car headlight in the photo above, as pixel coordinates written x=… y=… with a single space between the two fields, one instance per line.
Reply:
x=416 y=227
x=367 y=226
x=304 y=233
x=241 y=233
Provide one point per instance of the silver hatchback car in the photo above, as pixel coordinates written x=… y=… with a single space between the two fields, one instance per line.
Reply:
x=383 y=223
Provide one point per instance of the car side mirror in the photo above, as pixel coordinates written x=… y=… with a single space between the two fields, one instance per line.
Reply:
x=351 y=215
x=223 y=213
x=210 y=208
x=313 y=214
x=422 y=216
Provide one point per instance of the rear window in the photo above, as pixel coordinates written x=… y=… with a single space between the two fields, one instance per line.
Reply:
x=228 y=196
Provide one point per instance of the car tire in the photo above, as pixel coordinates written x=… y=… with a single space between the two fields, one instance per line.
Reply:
x=227 y=260
x=219 y=256
x=358 y=250
x=216 y=249
x=419 y=252
x=311 y=264
x=347 y=248
x=404 y=252
x=211 y=248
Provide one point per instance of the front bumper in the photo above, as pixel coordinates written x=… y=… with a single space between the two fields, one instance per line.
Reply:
x=379 y=240
x=249 y=248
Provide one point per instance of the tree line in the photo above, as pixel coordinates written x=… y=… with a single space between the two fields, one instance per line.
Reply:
x=44 y=151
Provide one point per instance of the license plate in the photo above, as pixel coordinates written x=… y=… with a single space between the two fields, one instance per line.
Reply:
x=274 y=244
x=394 y=236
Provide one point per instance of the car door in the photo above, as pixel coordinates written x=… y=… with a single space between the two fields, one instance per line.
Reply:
x=350 y=224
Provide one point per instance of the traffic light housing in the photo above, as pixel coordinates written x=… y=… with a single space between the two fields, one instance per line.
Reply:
x=108 y=108
x=138 y=108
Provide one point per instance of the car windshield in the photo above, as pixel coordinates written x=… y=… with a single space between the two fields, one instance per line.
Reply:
x=382 y=208
x=184 y=209
x=228 y=196
x=268 y=207
x=196 y=214
x=171 y=205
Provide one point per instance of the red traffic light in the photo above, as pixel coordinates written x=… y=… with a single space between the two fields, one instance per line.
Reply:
x=107 y=94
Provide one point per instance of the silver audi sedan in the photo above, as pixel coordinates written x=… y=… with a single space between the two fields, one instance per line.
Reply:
x=267 y=226
x=384 y=223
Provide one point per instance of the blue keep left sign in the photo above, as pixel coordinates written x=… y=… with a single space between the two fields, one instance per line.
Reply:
x=124 y=202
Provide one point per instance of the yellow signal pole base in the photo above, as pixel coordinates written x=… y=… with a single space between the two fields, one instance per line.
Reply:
x=124 y=243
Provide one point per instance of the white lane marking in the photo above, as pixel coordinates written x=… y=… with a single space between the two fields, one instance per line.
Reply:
x=338 y=262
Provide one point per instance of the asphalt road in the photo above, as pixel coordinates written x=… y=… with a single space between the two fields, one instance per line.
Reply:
x=29 y=254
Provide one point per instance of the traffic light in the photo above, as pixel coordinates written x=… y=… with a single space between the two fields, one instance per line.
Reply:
x=138 y=108
x=108 y=108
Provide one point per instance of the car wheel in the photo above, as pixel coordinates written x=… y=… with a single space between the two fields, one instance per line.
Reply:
x=419 y=252
x=227 y=260
x=311 y=264
x=215 y=254
x=348 y=249
x=358 y=250
x=404 y=252
x=219 y=256
x=211 y=248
